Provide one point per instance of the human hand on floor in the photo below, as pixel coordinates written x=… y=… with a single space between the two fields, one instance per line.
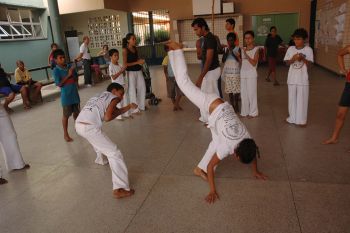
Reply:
x=211 y=197
x=260 y=176
x=133 y=106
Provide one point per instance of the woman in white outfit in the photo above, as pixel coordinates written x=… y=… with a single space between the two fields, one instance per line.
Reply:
x=229 y=135
x=137 y=86
x=9 y=145
x=249 y=77
x=89 y=125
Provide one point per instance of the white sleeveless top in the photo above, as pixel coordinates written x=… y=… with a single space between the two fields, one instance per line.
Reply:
x=95 y=109
x=248 y=68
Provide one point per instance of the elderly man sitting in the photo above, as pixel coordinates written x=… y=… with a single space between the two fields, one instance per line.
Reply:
x=23 y=78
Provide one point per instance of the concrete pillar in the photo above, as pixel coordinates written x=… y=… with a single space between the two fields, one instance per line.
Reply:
x=55 y=22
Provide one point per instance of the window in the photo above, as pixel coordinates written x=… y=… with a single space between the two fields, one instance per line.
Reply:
x=20 y=24
x=105 y=30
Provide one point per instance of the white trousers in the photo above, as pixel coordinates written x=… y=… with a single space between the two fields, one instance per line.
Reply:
x=249 y=96
x=124 y=102
x=9 y=144
x=298 y=100
x=103 y=145
x=192 y=92
x=137 y=89
x=210 y=86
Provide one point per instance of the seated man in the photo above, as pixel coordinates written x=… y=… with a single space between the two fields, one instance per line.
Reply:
x=23 y=78
x=229 y=135
x=9 y=90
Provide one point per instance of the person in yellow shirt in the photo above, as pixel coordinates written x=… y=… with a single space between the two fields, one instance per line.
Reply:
x=23 y=78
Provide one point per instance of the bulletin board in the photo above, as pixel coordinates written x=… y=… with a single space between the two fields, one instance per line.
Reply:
x=330 y=24
x=330 y=32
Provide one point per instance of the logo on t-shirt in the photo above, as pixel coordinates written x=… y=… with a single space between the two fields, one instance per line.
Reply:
x=233 y=127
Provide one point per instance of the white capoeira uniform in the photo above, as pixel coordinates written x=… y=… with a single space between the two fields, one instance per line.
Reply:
x=8 y=143
x=137 y=89
x=298 y=85
x=226 y=128
x=92 y=115
x=114 y=69
x=249 y=78
x=210 y=86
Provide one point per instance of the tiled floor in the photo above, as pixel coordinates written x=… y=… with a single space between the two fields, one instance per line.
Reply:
x=64 y=191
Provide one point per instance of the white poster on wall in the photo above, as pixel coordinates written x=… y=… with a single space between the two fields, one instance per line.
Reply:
x=73 y=47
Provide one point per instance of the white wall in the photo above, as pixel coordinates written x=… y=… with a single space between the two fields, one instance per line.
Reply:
x=79 y=22
x=73 y=6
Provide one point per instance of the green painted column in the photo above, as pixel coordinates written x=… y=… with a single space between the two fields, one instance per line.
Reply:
x=55 y=22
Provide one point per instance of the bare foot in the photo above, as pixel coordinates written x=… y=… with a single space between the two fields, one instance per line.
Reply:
x=9 y=110
x=68 y=139
x=27 y=166
x=26 y=107
x=199 y=172
x=3 y=181
x=121 y=193
x=330 y=141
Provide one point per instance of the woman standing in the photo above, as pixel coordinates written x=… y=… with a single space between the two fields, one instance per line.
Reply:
x=137 y=86
x=272 y=42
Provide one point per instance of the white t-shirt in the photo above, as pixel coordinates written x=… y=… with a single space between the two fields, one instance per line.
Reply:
x=113 y=69
x=298 y=74
x=85 y=51
x=94 y=110
x=227 y=130
x=247 y=69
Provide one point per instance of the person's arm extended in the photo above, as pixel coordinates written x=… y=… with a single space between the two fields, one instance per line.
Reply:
x=112 y=111
x=101 y=53
x=255 y=60
x=212 y=196
x=208 y=61
x=341 y=53
x=125 y=59
x=256 y=173
x=79 y=57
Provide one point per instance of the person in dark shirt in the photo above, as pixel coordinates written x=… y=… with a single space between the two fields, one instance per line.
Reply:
x=10 y=90
x=273 y=41
x=208 y=79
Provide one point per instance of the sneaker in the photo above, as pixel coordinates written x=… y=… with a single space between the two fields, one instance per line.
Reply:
x=88 y=85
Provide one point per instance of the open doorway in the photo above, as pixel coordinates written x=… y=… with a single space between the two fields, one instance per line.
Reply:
x=151 y=28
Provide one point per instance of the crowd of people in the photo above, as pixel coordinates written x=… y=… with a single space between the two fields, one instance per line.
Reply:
x=125 y=96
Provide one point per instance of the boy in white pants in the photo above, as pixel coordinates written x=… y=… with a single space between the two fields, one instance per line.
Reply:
x=117 y=74
x=298 y=57
x=229 y=135
x=249 y=77
x=9 y=145
x=89 y=125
